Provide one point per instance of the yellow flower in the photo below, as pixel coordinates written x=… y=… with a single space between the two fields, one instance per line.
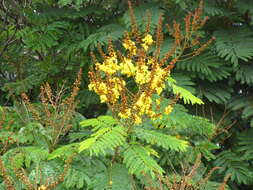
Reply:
x=110 y=65
x=159 y=90
x=145 y=46
x=127 y=67
x=103 y=98
x=158 y=101
x=168 y=109
x=42 y=187
x=125 y=114
x=143 y=104
x=137 y=119
x=150 y=61
x=148 y=39
x=142 y=75
x=130 y=46
x=151 y=114
x=91 y=86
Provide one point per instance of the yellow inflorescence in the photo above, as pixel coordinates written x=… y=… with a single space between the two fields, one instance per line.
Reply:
x=143 y=104
x=147 y=73
x=157 y=83
x=130 y=46
x=126 y=114
x=142 y=75
x=127 y=67
x=110 y=65
x=147 y=42
x=168 y=109
x=106 y=93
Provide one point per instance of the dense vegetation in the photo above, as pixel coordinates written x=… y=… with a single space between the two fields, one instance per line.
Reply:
x=59 y=129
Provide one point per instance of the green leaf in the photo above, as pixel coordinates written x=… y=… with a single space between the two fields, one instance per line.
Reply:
x=186 y=95
x=104 y=139
x=139 y=161
x=234 y=44
x=157 y=138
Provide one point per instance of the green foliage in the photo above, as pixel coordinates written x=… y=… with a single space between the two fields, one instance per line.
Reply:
x=160 y=139
x=48 y=36
x=137 y=159
x=107 y=135
x=234 y=44
x=233 y=164
x=116 y=177
x=207 y=66
x=186 y=95
x=48 y=41
x=244 y=104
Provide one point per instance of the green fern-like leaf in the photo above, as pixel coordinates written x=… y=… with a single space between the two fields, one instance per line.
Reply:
x=215 y=93
x=25 y=156
x=179 y=122
x=244 y=74
x=186 y=95
x=111 y=31
x=184 y=81
x=245 y=144
x=234 y=44
x=43 y=37
x=101 y=121
x=206 y=66
x=232 y=163
x=103 y=139
x=244 y=104
x=213 y=9
x=160 y=139
x=114 y=178
x=64 y=151
x=138 y=160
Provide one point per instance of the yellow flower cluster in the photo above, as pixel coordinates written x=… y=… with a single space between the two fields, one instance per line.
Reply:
x=157 y=83
x=108 y=92
x=143 y=106
x=110 y=65
x=130 y=46
x=127 y=67
x=168 y=109
x=143 y=103
x=147 y=42
x=146 y=71
x=142 y=75
x=125 y=114
x=100 y=88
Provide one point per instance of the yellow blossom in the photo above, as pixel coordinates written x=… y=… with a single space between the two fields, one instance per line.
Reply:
x=137 y=119
x=151 y=114
x=126 y=114
x=42 y=187
x=142 y=75
x=110 y=65
x=91 y=86
x=143 y=104
x=103 y=98
x=130 y=46
x=145 y=46
x=168 y=109
x=159 y=90
x=158 y=101
x=150 y=61
x=148 y=39
x=127 y=67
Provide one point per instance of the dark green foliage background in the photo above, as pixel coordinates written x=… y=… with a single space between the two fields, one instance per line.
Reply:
x=49 y=40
